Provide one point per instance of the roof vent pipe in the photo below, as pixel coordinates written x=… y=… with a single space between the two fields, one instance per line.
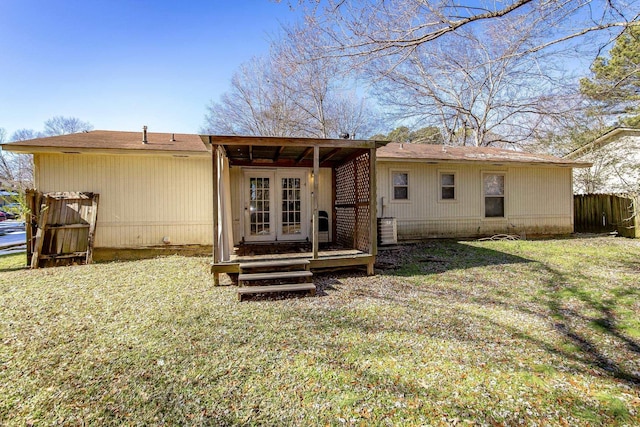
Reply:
x=173 y=137
x=144 y=134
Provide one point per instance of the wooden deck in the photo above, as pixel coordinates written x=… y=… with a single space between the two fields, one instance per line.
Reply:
x=326 y=260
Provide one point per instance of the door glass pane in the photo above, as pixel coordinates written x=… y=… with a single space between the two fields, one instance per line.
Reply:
x=259 y=206
x=291 y=223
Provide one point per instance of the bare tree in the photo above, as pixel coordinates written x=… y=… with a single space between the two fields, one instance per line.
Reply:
x=60 y=125
x=321 y=87
x=488 y=73
x=257 y=104
x=289 y=93
x=615 y=169
x=6 y=172
x=374 y=28
x=16 y=170
x=471 y=85
x=25 y=134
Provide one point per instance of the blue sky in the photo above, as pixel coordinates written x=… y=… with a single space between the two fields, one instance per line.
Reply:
x=124 y=64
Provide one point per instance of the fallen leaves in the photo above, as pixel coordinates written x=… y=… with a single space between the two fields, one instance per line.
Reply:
x=457 y=334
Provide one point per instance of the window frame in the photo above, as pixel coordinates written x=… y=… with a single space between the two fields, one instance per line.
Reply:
x=503 y=196
x=454 y=186
x=393 y=172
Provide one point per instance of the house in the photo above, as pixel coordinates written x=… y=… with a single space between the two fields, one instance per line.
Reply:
x=150 y=191
x=616 y=163
x=444 y=191
x=177 y=190
x=608 y=193
x=226 y=192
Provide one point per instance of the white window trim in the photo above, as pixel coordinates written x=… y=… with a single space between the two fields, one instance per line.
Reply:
x=504 y=196
x=393 y=193
x=455 y=185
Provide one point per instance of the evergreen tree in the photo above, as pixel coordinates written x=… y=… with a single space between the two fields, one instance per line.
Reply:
x=615 y=84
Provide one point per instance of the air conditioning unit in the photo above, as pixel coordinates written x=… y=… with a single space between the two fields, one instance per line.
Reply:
x=387 y=231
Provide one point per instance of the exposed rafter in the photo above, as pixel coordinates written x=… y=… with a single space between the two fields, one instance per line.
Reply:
x=278 y=153
x=304 y=154
x=330 y=154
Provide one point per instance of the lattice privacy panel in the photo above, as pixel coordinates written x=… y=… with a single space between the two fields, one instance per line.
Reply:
x=353 y=210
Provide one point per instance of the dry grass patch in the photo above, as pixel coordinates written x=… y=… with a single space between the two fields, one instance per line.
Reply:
x=491 y=333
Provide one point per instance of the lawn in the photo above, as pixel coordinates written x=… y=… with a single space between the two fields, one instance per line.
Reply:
x=477 y=333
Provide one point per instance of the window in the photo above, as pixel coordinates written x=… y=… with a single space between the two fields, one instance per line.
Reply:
x=494 y=196
x=400 y=185
x=447 y=186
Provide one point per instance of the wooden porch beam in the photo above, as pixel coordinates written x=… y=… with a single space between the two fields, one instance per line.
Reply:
x=305 y=153
x=330 y=154
x=278 y=153
x=316 y=176
x=251 y=153
x=216 y=196
x=285 y=163
x=373 y=205
x=290 y=142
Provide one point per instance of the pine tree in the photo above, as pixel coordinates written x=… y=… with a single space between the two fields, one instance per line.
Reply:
x=615 y=84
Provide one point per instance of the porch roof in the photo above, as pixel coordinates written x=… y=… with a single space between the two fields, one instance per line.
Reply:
x=289 y=152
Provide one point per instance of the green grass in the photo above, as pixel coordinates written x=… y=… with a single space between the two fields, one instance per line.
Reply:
x=491 y=333
x=13 y=262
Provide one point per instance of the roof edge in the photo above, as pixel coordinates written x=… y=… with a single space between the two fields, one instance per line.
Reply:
x=290 y=141
x=574 y=164
x=601 y=141
x=15 y=147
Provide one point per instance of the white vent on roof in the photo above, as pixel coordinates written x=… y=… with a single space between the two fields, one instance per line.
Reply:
x=144 y=134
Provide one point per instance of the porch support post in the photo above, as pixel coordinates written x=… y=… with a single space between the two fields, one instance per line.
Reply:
x=314 y=196
x=373 y=204
x=216 y=205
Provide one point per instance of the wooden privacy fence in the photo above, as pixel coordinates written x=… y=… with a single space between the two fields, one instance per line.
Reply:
x=60 y=228
x=600 y=213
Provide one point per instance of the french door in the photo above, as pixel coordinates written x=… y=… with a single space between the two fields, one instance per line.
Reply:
x=275 y=204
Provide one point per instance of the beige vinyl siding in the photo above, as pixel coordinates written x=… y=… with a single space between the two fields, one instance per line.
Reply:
x=143 y=198
x=538 y=200
x=235 y=176
x=325 y=198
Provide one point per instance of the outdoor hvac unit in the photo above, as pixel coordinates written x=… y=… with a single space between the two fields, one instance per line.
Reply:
x=387 y=231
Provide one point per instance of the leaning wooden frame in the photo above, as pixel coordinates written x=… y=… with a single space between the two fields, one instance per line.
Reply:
x=60 y=228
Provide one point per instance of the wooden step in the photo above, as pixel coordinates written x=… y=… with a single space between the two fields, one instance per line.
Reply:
x=298 y=287
x=277 y=275
x=274 y=265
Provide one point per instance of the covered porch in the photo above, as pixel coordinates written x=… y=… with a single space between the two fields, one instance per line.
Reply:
x=302 y=198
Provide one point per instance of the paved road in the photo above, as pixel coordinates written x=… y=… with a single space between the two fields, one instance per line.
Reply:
x=12 y=234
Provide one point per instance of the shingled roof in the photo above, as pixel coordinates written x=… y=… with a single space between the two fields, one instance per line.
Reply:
x=449 y=154
x=106 y=140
